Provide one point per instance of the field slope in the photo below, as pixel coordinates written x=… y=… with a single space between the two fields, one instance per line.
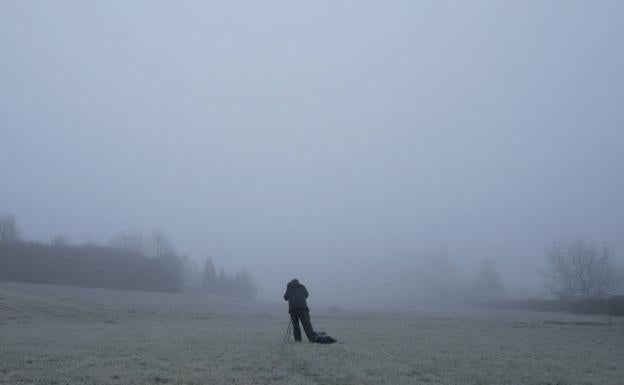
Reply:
x=63 y=335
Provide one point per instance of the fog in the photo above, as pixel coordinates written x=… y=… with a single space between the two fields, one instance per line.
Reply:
x=352 y=145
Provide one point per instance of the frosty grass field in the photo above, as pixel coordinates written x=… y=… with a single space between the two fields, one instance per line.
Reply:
x=63 y=335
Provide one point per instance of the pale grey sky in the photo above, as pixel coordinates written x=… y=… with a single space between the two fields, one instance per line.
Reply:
x=336 y=142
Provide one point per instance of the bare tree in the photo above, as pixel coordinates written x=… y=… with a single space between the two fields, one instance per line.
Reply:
x=8 y=229
x=160 y=244
x=579 y=267
x=131 y=242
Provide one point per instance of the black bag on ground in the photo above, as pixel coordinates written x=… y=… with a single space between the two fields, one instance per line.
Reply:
x=323 y=338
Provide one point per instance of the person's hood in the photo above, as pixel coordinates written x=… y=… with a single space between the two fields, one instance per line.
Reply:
x=294 y=283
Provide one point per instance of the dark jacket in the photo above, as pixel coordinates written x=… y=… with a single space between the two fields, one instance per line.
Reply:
x=296 y=295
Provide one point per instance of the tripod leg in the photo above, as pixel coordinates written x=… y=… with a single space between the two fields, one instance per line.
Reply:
x=287 y=334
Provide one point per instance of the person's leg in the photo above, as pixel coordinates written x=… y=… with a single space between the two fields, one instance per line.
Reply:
x=307 y=326
x=294 y=317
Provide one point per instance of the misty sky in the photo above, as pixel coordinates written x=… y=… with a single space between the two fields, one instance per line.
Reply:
x=336 y=142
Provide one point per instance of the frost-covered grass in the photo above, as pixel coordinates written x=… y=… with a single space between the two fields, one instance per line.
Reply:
x=61 y=335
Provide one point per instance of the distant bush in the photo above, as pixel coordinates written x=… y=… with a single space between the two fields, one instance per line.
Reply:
x=533 y=304
x=612 y=305
x=587 y=305
x=615 y=305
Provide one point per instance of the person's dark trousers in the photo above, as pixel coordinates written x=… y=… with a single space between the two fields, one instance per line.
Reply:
x=304 y=317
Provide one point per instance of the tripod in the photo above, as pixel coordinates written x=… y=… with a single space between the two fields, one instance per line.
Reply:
x=287 y=334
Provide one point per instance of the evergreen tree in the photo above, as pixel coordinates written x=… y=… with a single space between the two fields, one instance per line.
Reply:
x=209 y=279
x=488 y=285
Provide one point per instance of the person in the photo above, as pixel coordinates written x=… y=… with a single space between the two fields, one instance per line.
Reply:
x=296 y=295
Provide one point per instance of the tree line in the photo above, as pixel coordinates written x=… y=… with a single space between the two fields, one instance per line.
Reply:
x=127 y=261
